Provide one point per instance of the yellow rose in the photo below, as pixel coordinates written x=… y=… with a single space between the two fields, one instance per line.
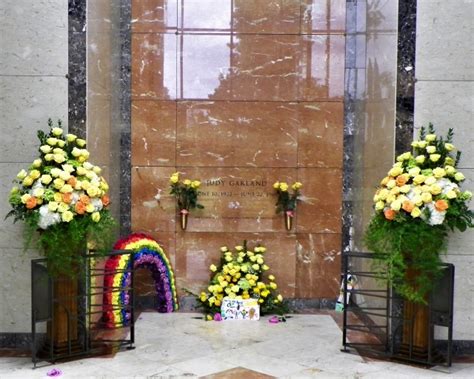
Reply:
x=67 y=188
x=283 y=187
x=271 y=277
x=37 y=163
x=235 y=288
x=58 y=197
x=95 y=216
x=52 y=141
x=280 y=298
x=28 y=181
x=430 y=137
x=384 y=181
x=415 y=143
x=45 y=149
x=71 y=137
x=404 y=157
x=383 y=194
x=276 y=185
x=239 y=248
x=63 y=207
x=435 y=189
x=85 y=154
x=451 y=194
x=57 y=131
x=396 y=205
x=391 y=183
x=195 y=184
x=38 y=192
x=273 y=285
x=416 y=212
x=420 y=159
x=434 y=157
x=255 y=266
x=58 y=183
x=395 y=171
x=92 y=191
x=459 y=177
x=25 y=198
x=265 y=267
x=59 y=158
x=297 y=185
x=174 y=179
x=449 y=146
x=426 y=197
x=395 y=191
x=450 y=170
x=80 y=142
x=405 y=189
x=379 y=205
x=439 y=172
x=53 y=206
x=187 y=182
x=90 y=208
x=76 y=152
x=422 y=144
x=449 y=161
x=61 y=143
x=431 y=149
x=414 y=171
x=65 y=175
x=213 y=268
x=430 y=180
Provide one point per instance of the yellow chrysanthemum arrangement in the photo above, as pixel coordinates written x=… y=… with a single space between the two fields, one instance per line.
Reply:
x=416 y=205
x=63 y=197
x=240 y=275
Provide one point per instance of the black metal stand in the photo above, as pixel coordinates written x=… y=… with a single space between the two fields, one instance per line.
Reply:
x=93 y=337
x=382 y=324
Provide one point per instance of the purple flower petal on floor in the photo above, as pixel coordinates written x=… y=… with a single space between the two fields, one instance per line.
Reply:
x=274 y=320
x=217 y=317
x=54 y=372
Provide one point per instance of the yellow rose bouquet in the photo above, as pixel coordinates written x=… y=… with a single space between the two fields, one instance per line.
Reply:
x=416 y=204
x=63 y=197
x=286 y=201
x=186 y=193
x=240 y=275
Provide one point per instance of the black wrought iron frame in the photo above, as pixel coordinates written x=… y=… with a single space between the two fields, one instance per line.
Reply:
x=43 y=300
x=440 y=309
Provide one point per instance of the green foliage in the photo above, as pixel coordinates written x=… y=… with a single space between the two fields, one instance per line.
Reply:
x=407 y=254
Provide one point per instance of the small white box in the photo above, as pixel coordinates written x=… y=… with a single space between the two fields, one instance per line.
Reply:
x=248 y=309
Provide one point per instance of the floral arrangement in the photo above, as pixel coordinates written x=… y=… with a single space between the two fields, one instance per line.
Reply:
x=286 y=201
x=63 y=197
x=240 y=276
x=147 y=253
x=185 y=192
x=416 y=205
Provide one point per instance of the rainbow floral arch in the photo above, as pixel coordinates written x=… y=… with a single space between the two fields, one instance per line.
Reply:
x=148 y=254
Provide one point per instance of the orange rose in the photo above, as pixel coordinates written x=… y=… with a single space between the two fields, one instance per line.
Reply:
x=84 y=199
x=408 y=206
x=31 y=202
x=401 y=180
x=72 y=181
x=105 y=200
x=67 y=197
x=389 y=214
x=80 y=208
x=441 y=205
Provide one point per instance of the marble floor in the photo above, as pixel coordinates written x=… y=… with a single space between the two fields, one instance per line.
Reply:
x=180 y=345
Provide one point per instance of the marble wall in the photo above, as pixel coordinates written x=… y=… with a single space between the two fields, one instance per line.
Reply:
x=33 y=87
x=444 y=94
x=240 y=94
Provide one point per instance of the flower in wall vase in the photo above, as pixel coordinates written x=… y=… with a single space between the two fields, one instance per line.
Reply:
x=186 y=193
x=183 y=214
x=289 y=219
x=286 y=201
